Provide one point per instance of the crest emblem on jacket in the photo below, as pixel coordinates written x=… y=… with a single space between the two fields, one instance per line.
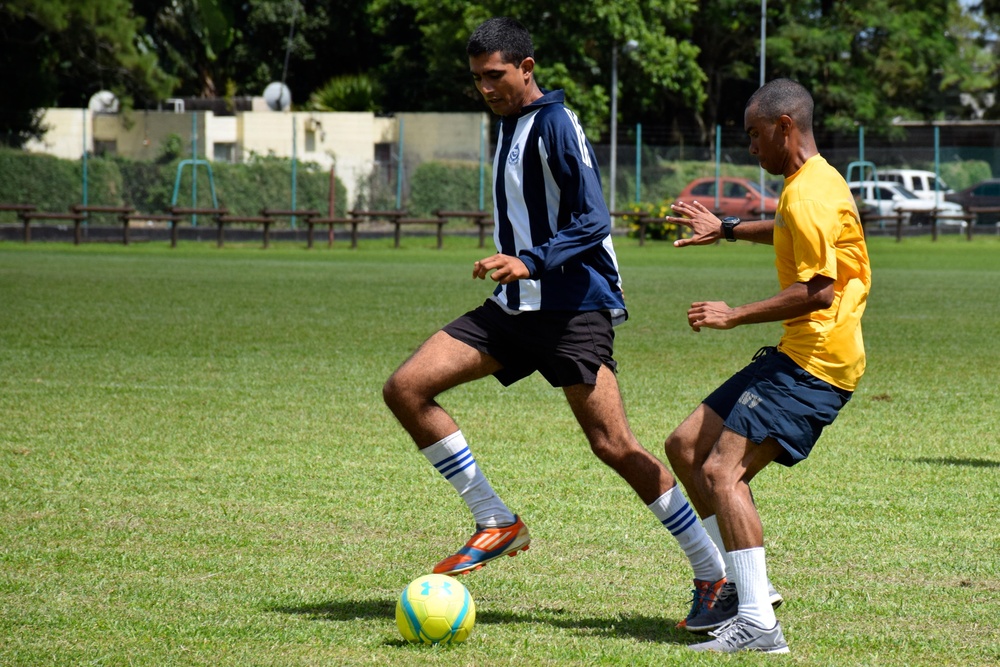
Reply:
x=515 y=155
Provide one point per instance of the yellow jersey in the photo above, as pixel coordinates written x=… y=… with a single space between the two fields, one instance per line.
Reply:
x=817 y=231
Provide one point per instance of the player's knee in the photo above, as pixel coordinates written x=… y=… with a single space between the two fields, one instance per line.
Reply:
x=405 y=395
x=602 y=449
x=674 y=448
x=714 y=477
x=681 y=453
x=393 y=393
x=608 y=450
x=622 y=453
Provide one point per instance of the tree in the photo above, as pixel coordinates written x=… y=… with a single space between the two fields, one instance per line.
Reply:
x=222 y=48
x=329 y=38
x=870 y=61
x=424 y=66
x=725 y=33
x=191 y=38
x=60 y=52
x=982 y=48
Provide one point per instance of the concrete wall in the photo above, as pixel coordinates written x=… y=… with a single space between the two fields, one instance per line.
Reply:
x=65 y=133
x=441 y=136
x=140 y=135
x=346 y=139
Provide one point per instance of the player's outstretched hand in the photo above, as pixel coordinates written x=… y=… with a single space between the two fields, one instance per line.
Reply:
x=506 y=269
x=705 y=226
x=710 y=315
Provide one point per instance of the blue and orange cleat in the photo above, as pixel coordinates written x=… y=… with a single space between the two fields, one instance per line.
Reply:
x=703 y=598
x=485 y=545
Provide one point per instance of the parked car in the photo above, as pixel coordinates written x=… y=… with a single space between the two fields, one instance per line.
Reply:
x=918 y=181
x=737 y=196
x=983 y=194
x=887 y=198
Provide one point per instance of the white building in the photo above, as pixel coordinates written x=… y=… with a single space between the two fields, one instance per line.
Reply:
x=355 y=143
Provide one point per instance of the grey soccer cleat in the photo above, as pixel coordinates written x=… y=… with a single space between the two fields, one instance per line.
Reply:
x=742 y=635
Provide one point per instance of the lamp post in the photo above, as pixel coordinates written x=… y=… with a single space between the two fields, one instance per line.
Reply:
x=628 y=47
x=763 y=44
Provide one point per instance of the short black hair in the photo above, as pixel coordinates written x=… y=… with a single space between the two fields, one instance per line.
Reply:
x=504 y=35
x=784 y=97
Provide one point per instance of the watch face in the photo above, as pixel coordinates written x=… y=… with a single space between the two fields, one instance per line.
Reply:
x=729 y=223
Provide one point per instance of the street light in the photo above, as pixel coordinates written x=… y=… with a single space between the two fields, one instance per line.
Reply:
x=628 y=47
x=763 y=44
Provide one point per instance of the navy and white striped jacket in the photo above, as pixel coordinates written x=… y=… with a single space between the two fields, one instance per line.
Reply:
x=550 y=213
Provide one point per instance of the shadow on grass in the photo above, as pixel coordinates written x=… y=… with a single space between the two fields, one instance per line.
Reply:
x=956 y=461
x=642 y=628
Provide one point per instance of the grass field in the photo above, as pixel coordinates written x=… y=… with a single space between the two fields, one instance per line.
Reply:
x=196 y=467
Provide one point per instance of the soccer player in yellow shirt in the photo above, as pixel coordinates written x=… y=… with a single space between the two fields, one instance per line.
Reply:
x=775 y=408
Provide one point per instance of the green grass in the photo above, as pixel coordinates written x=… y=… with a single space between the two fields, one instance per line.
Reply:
x=196 y=467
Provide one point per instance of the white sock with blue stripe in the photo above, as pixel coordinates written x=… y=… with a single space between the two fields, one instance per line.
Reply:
x=676 y=515
x=453 y=459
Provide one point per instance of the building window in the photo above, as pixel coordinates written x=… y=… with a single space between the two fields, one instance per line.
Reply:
x=224 y=151
x=105 y=147
x=385 y=161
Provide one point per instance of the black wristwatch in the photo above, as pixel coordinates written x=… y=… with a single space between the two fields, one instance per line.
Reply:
x=729 y=225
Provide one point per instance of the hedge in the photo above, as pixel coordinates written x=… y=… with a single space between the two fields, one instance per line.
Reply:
x=54 y=184
x=450 y=185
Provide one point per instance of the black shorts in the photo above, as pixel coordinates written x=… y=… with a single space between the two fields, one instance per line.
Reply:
x=567 y=348
x=773 y=397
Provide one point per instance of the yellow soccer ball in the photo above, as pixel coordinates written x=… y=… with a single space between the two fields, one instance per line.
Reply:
x=435 y=609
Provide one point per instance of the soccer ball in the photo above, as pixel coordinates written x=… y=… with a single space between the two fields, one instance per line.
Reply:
x=435 y=609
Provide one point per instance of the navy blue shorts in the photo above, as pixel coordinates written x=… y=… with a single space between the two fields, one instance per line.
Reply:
x=567 y=348
x=773 y=397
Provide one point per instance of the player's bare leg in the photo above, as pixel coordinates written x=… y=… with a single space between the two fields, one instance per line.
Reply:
x=688 y=447
x=438 y=365
x=600 y=412
x=441 y=363
x=725 y=483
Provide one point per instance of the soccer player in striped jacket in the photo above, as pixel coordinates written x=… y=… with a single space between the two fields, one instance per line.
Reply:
x=558 y=294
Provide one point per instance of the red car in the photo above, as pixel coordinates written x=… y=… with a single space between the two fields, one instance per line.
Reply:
x=737 y=196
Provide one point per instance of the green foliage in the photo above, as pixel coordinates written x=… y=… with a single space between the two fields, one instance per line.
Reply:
x=590 y=104
x=147 y=186
x=345 y=93
x=41 y=180
x=656 y=231
x=263 y=182
x=449 y=185
x=868 y=62
x=60 y=52
x=573 y=51
x=104 y=181
x=960 y=175
x=52 y=184
x=171 y=149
